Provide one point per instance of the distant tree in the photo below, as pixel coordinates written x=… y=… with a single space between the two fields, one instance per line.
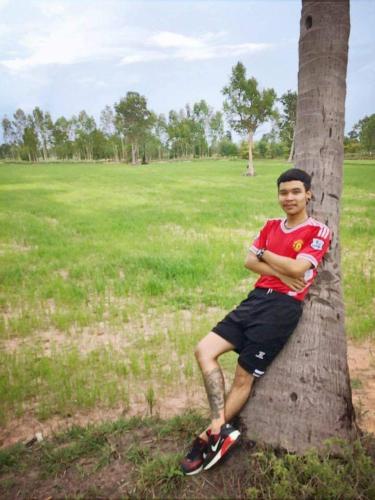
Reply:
x=160 y=132
x=227 y=148
x=247 y=107
x=108 y=127
x=9 y=137
x=216 y=130
x=62 y=135
x=5 y=151
x=30 y=141
x=133 y=120
x=43 y=127
x=287 y=121
x=84 y=127
x=367 y=133
x=19 y=124
x=202 y=114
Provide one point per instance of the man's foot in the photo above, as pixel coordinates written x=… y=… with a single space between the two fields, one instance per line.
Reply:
x=219 y=444
x=193 y=461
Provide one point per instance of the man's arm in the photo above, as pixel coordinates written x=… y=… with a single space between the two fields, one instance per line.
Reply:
x=294 y=268
x=253 y=264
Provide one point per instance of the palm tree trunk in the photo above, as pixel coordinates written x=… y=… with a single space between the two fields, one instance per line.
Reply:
x=250 y=166
x=305 y=398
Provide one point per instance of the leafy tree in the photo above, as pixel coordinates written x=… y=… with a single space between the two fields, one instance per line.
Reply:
x=287 y=120
x=367 y=133
x=43 y=127
x=160 y=132
x=83 y=128
x=216 y=130
x=247 y=107
x=200 y=126
x=9 y=137
x=227 y=148
x=108 y=127
x=30 y=141
x=62 y=133
x=133 y=120
x=19 y=124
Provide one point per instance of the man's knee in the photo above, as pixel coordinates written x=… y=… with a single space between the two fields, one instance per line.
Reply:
x=211 y=347
x=202 y=353
x=243 y=379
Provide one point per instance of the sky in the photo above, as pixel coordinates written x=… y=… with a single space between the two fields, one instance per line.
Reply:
x=69 y=55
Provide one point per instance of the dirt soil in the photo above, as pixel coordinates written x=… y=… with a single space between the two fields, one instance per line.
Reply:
x=361 y=360
x=122 y=477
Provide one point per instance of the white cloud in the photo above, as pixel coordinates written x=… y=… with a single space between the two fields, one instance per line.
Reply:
x=3 y=4
x=168 y=45
x=167 y=39
x=65 y=33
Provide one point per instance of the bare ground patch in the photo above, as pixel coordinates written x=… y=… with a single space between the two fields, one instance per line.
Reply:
x=361 y=360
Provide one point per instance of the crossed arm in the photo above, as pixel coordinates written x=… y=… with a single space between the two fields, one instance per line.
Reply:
x=289 y=271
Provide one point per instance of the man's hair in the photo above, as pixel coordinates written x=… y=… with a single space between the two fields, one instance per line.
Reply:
x=295 y=174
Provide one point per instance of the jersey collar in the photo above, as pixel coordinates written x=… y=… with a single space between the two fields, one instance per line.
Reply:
x=290 y=230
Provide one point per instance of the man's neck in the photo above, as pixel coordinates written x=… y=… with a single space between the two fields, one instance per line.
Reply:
x=295 y=220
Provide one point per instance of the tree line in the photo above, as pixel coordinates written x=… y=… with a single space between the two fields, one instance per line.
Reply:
x=129 y=131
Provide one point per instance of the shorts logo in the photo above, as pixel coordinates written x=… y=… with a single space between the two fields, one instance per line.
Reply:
x=297 y=245
x=260 y=355
x=317 y=244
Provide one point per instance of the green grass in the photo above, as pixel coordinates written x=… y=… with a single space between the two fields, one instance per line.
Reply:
x=88 y=249
x=139 y=458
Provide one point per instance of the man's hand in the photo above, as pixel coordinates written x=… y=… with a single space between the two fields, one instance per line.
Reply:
x=295 y=284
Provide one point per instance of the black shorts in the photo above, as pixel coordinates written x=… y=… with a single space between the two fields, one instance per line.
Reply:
x=259 y=327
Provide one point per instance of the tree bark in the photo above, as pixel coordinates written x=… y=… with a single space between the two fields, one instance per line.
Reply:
x=250 y=166
x=134 y=161
x=305 y=397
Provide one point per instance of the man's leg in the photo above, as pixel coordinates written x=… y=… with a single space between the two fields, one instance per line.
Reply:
x=207 y=352
x=239 y=393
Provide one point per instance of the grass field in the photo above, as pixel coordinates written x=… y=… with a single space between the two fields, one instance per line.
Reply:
x=110 y=274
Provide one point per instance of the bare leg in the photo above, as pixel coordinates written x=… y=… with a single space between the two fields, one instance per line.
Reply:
x=239 y=393
x=207 y=352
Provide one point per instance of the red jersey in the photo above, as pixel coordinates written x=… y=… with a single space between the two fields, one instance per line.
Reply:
x=309 y=240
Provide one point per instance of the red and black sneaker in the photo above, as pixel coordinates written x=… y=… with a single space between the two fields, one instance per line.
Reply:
x=193 y=461
x=220 y=444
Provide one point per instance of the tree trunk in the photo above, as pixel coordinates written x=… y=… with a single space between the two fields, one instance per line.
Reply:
x=250 y=166
x=134 y=161
x=291 y=153
x=305 y=397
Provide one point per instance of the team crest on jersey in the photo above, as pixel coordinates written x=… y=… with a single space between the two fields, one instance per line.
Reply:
x=297 y=245
x=317 y=244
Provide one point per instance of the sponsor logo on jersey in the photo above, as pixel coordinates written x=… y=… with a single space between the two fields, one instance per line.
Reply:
x=317 y=244
x=297 y=245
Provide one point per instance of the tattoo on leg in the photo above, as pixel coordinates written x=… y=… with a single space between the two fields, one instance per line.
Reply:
x=214 y=384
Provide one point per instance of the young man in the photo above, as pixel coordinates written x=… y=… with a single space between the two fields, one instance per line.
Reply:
x=285 y=254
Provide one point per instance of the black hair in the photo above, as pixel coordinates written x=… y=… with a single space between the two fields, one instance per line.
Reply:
x=295 y=174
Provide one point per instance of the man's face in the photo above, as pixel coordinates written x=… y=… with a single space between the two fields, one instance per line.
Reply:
x=293 y=197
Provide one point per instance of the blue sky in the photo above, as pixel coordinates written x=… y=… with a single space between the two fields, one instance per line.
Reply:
x=65 y=55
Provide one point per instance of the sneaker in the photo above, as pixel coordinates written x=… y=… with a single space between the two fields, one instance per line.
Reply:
x=193 y=461
x=219 y=444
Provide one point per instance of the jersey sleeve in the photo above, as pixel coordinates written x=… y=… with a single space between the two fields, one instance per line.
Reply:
x=316 y=247
x=261 y=239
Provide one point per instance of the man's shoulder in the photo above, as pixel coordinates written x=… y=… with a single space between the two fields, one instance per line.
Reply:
x=276 y=221
x=320 y=228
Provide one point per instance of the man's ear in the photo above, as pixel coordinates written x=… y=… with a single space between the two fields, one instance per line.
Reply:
x=309 y=195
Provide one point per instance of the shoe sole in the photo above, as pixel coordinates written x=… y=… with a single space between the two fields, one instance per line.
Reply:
x=196 y=471
x=234 y=437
